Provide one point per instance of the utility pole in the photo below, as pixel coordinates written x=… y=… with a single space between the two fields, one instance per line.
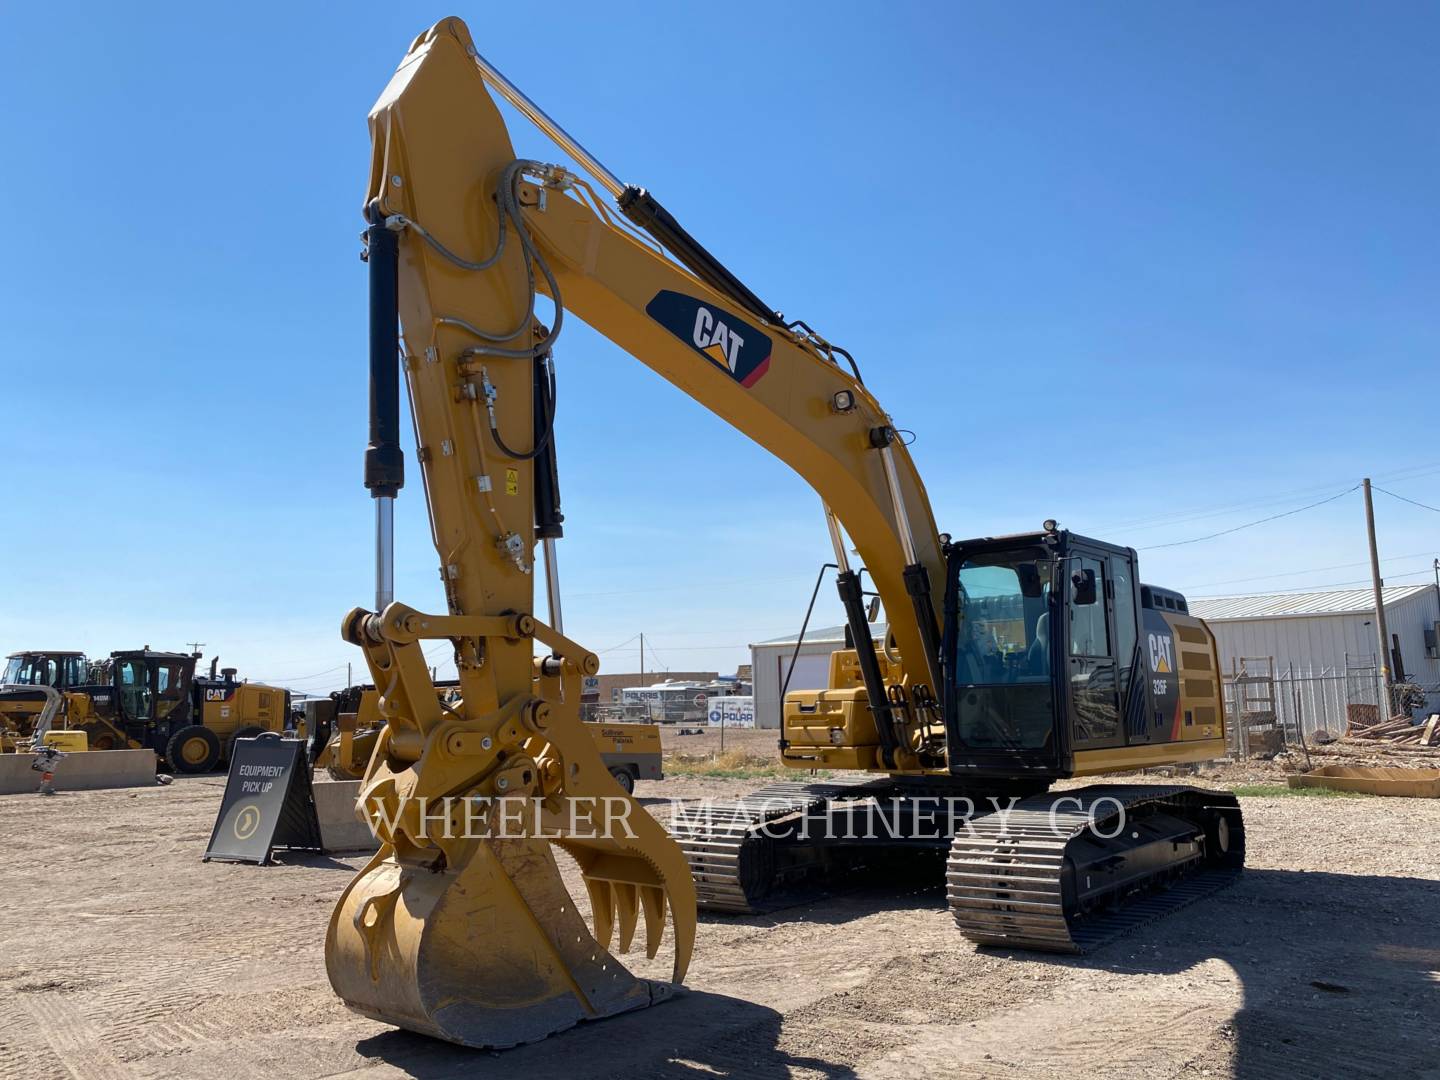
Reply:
x=1381 y=632
x=642 y=658
x=348 y=683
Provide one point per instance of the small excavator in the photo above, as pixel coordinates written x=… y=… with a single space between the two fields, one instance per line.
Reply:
x=1008 y=663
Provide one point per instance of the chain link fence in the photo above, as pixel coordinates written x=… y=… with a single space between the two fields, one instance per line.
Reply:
x=1268 y=709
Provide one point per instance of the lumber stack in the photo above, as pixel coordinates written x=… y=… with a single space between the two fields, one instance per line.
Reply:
x=1398 y=731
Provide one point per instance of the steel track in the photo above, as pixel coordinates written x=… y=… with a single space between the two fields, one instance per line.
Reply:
x=1004 y=875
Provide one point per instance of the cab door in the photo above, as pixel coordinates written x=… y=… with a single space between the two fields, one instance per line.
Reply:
x=1091 y=667
x=133 y=690
x=170 y=683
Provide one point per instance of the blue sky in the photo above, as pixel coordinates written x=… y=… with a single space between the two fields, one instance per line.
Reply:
x=1152 y=270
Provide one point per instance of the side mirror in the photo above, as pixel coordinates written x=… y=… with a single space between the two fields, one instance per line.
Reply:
x=1082 y=588
x=874 y=612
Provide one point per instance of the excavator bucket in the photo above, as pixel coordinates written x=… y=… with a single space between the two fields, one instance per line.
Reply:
x=477 y=940
x=493 y=953
x=461 y=926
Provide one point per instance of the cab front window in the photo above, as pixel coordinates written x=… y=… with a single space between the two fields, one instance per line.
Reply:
x=32 y=671
x=1002 y=674
x=1005 y=629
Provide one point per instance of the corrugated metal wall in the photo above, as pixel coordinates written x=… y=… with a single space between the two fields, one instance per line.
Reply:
x=770 y=662
x=1316 y=645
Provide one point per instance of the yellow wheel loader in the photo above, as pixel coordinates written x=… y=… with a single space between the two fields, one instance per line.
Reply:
x=142 y=699
x=1008 y=662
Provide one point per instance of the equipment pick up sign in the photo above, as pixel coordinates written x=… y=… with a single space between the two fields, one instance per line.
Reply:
x=268 y=802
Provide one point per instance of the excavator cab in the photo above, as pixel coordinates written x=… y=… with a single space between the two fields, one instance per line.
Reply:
x=1054 y=662
x=1063 y=664
x=1042 y=653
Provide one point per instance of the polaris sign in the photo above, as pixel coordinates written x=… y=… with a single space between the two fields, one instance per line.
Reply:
x=732 y=711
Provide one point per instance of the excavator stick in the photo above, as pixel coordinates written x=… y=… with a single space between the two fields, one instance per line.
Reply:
x=461 y=927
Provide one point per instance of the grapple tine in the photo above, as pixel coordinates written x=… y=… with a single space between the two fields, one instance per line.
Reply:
x=626 y=905
x=652 y=900
x=684 y=918
x=602 y=910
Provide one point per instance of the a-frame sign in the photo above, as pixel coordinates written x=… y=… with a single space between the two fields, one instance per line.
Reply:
x=268 y=802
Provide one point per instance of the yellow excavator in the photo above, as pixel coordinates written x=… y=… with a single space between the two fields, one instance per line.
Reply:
x=1008 y=663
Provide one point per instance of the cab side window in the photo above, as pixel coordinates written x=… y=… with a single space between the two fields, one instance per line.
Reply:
x=1122 y=581
x=169 y=686
x=1088 y=633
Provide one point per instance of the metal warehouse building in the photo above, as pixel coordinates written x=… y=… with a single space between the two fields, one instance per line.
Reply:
x=770 y=660
x=1323 y=645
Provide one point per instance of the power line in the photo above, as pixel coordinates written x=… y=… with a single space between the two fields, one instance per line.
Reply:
x=306 y=678
x=683 y=585
x=1312 y=588
x=656 y=653
x=688 y=648
x=1252 y=524
x=1156 y=521
x=1413 y=472
x=1402 y=498
x=617 y=648
x=1297 y=573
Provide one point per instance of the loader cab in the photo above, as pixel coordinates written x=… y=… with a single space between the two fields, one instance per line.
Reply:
x=1041 y=657
x=61 y=670
x=27 y=683
x=147 y=687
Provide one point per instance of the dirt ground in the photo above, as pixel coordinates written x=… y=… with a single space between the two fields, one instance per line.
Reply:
x=123 y=955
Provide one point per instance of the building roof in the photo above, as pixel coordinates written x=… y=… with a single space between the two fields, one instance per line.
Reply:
x=1298 y=604
x=1213 y=608
x=824 y=635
